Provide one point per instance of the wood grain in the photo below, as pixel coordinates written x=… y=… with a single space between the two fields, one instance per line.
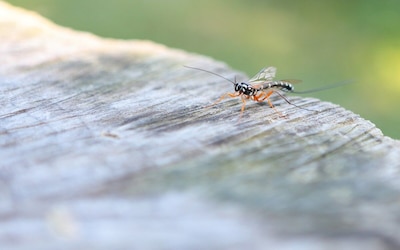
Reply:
x=107 y=144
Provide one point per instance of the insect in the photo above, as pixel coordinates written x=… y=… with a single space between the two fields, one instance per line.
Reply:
x=259 y=88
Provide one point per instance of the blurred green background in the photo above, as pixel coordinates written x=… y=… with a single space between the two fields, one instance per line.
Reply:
x=319 y=42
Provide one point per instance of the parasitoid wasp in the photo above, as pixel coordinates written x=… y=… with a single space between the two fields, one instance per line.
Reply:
x=262 y=86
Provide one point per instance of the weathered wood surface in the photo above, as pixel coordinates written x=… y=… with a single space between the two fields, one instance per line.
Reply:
x=105 y=144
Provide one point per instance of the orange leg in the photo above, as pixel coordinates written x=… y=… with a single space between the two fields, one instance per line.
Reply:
x=236 y=94
x=222 y=97
x=243 y=106
x=262 y=96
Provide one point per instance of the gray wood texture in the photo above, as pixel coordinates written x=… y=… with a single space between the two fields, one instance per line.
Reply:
x=107 y=144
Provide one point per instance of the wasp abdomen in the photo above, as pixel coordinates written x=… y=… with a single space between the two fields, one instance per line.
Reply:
x=282 y=85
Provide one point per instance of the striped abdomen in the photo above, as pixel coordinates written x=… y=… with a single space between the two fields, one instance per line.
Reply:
x=282 y=85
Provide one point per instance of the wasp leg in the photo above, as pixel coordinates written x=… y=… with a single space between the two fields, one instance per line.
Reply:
x=222 y=97
x=243 y=106
x=262 y=96
x=265 y=96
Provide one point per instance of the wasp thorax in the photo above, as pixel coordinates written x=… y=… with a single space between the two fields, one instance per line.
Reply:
x=244 y=88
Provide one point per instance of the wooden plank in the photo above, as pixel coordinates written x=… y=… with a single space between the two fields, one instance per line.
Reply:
x=106 y=144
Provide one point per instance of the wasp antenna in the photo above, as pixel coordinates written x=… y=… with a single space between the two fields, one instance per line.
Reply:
x=210 y=72
x=324 y=88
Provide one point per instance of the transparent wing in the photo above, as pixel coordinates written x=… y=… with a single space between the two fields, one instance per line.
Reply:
x=266 y=74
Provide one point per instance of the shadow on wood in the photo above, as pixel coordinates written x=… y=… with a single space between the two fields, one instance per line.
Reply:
x=106 y=144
